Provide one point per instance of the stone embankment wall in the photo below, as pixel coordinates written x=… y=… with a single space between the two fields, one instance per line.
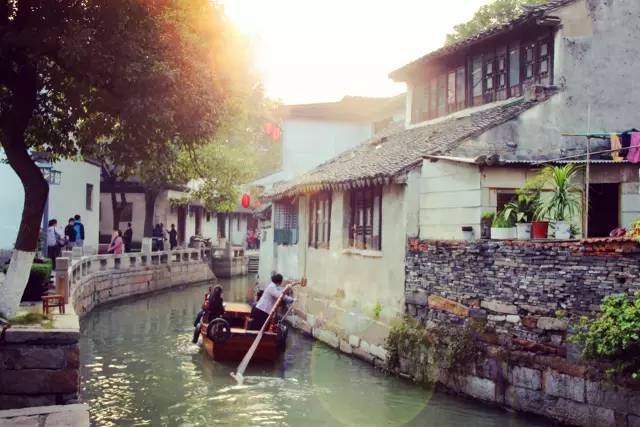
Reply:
x=39 y=367
x=105 y=278
x=332 y=321
x=520 y=299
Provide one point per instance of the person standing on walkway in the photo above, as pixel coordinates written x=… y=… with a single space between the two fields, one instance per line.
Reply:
x=173 y=237
x=70 y=234
x=116 y=246
x=79 y=227
x=54 y=239
x=128 y=238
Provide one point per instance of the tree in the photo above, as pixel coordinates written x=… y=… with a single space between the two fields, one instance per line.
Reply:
x=119 y=78
x=488 y=16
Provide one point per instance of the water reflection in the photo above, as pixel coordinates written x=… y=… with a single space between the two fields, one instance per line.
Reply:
x=139 y=367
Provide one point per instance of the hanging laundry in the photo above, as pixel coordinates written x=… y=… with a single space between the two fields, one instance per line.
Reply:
x=625 y=140
x=615 y=147
x=634 y=150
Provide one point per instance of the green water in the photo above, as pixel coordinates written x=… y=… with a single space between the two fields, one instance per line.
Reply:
x=140 y=368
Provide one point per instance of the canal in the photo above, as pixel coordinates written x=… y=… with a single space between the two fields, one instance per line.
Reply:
x=139 y=367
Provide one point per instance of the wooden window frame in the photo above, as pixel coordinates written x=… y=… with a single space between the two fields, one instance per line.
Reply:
x=89 y=197
x=320 y=220
x=359 y=235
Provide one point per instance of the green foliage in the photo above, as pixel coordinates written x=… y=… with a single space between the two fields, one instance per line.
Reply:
x=40 y=272
x=523 y=207
x=28 y=319
x=502 y=221
x=565 y=201
x=487 y=215
x=377 y=310
x=488 y=16
x=453 y=349
x=614 y=335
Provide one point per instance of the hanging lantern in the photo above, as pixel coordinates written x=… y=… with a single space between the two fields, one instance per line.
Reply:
x=246 y=200
x=276 y=134
x=268 y=128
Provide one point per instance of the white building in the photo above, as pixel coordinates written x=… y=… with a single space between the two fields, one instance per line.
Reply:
x=76 y=194
x=482 y=115
x=315 y=133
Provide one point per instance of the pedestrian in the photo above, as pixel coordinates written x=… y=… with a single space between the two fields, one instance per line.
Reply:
x=173 y=237
x=157 y=237
x=54 y=242
x=128 y=238
x=261 y=311
x=70 y=234
x=116 y=246
x=79 y=227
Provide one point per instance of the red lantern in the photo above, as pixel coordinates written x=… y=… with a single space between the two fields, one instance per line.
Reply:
x=276 y=134
x=268 y=128
x=246 y=200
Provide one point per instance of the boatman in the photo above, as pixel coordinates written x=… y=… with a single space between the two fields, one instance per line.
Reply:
x=260 y=312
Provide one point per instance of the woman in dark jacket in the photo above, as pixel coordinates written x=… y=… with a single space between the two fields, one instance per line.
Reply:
x=216 y=307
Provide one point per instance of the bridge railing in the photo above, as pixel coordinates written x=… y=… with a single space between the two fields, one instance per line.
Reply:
x=72 y=270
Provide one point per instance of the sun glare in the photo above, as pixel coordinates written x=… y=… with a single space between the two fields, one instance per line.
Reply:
x=310 y=51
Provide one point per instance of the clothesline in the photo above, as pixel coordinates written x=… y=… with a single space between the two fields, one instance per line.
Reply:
x=583 y=155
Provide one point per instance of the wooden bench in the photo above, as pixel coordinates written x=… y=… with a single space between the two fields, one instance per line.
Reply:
x=51 y=301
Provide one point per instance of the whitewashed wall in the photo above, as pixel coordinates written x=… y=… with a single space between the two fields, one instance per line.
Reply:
x=65 y=200
x=308 y=143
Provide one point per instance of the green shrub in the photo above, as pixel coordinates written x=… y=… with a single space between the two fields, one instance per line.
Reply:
x=614 y=335
x=39 y=276
x=488 y=215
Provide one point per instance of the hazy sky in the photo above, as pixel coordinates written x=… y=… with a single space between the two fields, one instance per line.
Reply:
x=321 y=50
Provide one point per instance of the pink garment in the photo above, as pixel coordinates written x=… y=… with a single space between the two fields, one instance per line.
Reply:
x=117 y=246
x=634 y=151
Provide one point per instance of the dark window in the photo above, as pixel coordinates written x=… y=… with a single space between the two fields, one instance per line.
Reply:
x=505 y=197
x=365 y=225
x=286 y=222
x=320 y=220
x=489 y=76
x=208 y=216
x=442 y=96
x=451 y=91
x=420 y=105
x=514 y=69
x=476 y=80
x=89 y=197
x=501 y=74
x=460 y=88
x=529 y=61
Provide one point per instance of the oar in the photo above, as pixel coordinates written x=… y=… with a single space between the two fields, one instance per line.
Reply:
x=238 y=375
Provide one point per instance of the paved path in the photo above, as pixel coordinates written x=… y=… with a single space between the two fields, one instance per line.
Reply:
x=46 y=416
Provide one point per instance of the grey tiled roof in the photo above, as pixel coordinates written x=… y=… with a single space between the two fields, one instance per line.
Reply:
x=396 y=151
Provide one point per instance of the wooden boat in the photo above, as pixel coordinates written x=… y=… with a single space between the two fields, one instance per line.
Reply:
x=228 y=339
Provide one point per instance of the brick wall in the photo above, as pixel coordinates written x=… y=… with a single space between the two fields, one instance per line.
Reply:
x=524 y=296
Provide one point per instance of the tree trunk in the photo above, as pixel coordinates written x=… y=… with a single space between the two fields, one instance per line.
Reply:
x=36 y=190
x=150 y=197
x=117 y=208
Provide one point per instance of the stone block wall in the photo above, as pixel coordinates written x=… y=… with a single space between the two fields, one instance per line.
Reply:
x=39 y=367
x=134 y=275
x=520 y=298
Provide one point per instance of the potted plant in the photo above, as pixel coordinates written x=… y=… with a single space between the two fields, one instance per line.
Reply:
x=521 y=211
x=502 y=228
x=486 y=219
x=564 y=202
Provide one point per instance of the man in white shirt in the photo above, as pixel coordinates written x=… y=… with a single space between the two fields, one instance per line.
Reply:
x=260 y=312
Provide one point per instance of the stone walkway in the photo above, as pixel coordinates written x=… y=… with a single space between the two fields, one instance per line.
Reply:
x=46 y=416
